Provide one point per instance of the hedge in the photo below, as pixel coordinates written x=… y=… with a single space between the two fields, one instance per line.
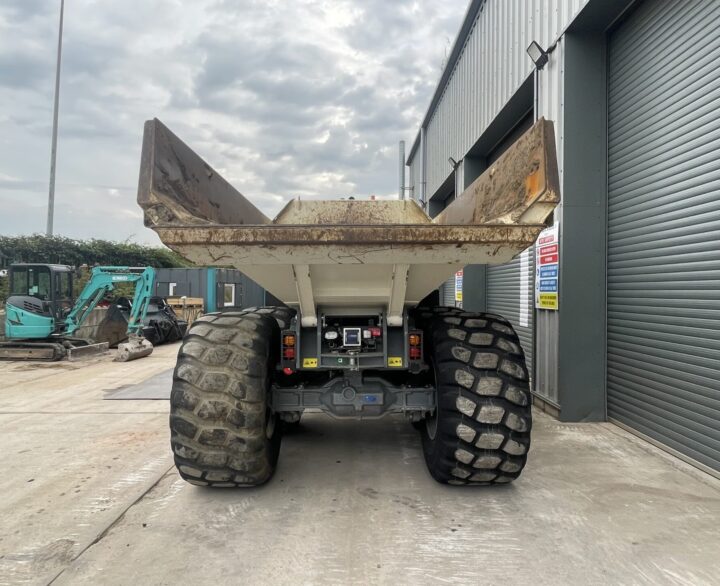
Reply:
x=66 y=251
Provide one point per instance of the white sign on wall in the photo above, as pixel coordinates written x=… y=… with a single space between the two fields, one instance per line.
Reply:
x=547 y=270
x=459 y=286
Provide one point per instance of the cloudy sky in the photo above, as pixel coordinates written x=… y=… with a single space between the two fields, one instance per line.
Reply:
x=284 y=98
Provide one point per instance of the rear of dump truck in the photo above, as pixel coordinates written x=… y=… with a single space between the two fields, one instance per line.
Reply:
x=361 y=333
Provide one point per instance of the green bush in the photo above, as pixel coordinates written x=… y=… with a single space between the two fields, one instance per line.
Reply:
x=4 y=285
x=60 y=250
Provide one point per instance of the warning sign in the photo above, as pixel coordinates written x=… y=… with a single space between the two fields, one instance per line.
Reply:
x=458 y=285
x=546 y=301
x=547 y=270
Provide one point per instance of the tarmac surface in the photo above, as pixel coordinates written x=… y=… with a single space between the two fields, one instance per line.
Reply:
x=90 y=496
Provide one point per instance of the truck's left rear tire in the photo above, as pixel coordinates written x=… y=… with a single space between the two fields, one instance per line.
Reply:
x=223 y=434
x=480 y=432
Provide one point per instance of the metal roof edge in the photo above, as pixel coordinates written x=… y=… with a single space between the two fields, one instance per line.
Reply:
x=465 y=28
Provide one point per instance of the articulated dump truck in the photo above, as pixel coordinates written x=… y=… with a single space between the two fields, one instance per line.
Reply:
x=360 y=332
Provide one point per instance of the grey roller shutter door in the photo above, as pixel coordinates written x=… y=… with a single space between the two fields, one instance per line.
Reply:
x=448 y=292
x=663 y=353
x=511 y=296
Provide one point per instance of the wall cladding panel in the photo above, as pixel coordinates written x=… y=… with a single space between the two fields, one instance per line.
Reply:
x=491 y=67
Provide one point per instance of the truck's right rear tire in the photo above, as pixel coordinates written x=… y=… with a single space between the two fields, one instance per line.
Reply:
x=223 y=433
x=480 y=432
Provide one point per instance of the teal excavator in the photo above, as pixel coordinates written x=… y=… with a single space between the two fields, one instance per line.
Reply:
x=41 y=317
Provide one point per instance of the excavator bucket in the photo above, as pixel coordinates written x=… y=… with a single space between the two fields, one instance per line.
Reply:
x=133 y=349
x=81 y=352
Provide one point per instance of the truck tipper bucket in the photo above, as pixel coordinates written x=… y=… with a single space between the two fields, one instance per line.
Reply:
x=347 y=253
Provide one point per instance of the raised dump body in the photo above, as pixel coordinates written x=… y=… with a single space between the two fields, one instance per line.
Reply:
x=361 y=334
x=347 y=253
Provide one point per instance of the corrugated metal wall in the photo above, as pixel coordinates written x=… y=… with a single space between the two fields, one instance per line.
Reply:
x=415 y=177
x=447 y=292
x=192 y=282
x=512 y=297
x=492 y=66
x=664 y=226
x=550 y=106
x=247 y=292
x=189 y=282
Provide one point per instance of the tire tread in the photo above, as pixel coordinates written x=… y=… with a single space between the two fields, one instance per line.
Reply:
x=492 y=403
x=219 y=398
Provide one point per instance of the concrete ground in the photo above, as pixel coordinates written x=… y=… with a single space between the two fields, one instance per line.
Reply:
x=89 y=496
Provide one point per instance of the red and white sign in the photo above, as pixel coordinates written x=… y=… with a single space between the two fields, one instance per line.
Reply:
x=547 y=270
x=548 y=248
x=551 y=249
x=546 y=239
x=547 y=259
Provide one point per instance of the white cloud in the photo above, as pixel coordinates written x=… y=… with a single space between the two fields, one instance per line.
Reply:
x=285 y=99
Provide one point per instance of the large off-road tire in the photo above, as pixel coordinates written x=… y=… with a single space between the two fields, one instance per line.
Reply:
x=281 y=314
x=223 y=433
x=480 y=432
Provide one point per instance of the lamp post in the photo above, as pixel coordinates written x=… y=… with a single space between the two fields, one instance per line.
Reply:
x=538 y=54
x=540 y=57
x=53 y=151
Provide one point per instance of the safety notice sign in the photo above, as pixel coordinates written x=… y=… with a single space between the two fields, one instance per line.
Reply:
x=459 y=286
x=547 y=270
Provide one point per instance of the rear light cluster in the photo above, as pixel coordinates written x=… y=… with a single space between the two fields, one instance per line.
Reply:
x=352 y=337
x=415 y=346
x=371 y=336
x=288 y=351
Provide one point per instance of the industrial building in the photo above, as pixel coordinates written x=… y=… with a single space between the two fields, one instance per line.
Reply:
x=220 y=289
x=620 y=320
